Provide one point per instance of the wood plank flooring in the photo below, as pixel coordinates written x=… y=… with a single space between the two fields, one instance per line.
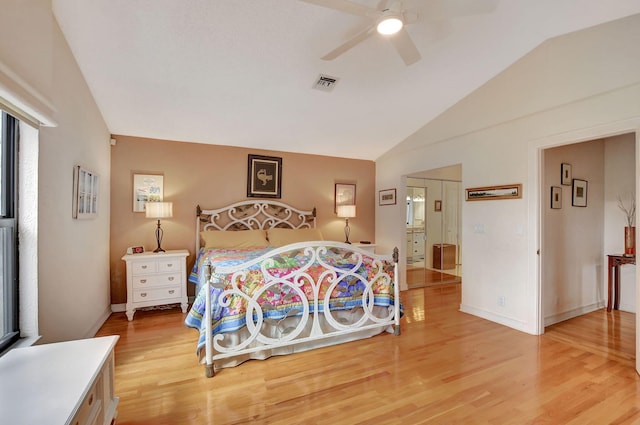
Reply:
x=447 y=367
x=421 y=277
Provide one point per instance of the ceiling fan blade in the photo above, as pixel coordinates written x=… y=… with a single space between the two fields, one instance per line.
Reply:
x=345 y=6
x=405 y=47
x=344 y=47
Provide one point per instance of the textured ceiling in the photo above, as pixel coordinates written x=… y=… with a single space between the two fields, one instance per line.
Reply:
x=241 y=72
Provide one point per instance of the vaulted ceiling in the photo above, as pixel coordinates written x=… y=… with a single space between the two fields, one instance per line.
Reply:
x=242 y=72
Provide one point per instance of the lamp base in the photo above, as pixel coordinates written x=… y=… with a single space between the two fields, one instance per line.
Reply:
x=159 y=234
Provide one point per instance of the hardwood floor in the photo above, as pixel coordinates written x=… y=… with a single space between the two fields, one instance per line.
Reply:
x=421 y=277
x=447 y=367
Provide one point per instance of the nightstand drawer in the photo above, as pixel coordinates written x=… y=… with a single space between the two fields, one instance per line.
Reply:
x=156 y=280
x=144 y=267
x=170 y=265
x=144 y=295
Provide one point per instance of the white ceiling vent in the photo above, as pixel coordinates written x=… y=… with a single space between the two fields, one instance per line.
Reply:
x=325 y=82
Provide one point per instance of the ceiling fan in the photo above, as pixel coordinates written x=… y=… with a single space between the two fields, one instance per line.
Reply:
x=388 y=18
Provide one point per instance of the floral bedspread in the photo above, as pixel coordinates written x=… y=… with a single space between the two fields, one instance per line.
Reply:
x=281 y=299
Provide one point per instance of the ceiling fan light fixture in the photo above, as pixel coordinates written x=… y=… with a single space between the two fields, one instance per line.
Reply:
x=389 y=25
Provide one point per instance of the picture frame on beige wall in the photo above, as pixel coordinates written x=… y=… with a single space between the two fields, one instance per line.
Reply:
x=344 y=194
x=147 y=188
x=565 y=174
x=556 y=197
x=264 y=176
x=579 y=193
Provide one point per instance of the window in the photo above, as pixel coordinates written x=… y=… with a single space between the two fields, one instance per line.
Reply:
x=8 y=231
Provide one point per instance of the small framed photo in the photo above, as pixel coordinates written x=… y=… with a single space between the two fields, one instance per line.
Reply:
x=85 y=193
x=264 y=177
x=387 y=197
x=579 y=193
x=565 y=174
x=437 y=205
x=146 y=188
x=344 y=194
x=556 y=197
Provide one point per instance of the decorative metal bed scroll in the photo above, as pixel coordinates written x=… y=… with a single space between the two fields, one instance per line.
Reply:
x=319 y=316
x=247 y=215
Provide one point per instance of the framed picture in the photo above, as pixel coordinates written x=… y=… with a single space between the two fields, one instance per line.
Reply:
x=264 y=177
x=387 y=197
x=556 y=197
x=565 y=174
x=85 y=193
x=579 y=193
x=147 y=188
x=509 y=191
x=344 y=194
x=437 y=205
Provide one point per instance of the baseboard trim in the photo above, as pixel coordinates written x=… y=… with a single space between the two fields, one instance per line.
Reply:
x=510 y=322
x=96 y=327
x=570 y=314
x=118 y=308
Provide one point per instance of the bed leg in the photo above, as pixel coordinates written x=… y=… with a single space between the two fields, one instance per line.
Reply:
x=396 y=330
x=209 y=371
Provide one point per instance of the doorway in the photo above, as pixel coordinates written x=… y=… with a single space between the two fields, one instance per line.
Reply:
x=607 y=165
x=433 y=227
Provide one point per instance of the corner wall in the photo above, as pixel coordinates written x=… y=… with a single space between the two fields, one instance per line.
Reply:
x=72 y=258
x=575 y=84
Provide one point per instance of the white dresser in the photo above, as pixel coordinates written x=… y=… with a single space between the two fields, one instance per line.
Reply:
x=62 y=383
x=156 y=279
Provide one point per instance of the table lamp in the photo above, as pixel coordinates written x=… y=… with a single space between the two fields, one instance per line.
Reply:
x=159 y=210
x=346 y=212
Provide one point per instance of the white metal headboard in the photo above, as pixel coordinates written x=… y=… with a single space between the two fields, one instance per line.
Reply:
x=247 y=215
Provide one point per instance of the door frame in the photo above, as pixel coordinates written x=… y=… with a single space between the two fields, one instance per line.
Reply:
x=539 y=198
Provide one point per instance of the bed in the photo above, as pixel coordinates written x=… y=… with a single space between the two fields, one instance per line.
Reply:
x=268 y=284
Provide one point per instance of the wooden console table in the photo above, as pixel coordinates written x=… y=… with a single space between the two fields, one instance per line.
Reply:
x=613 y=288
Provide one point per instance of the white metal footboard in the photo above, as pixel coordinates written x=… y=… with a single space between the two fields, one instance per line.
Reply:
x=303 y=325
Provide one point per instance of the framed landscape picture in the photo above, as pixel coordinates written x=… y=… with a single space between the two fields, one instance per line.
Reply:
x=387 y=197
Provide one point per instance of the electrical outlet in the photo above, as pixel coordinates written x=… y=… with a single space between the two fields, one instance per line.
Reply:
x=501 y=301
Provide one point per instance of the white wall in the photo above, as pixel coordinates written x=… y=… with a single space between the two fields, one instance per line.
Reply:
x=620 y=172
x=573 y=237
x=574 y=84
x=37 y=69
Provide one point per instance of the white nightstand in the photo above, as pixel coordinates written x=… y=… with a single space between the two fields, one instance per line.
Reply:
x=371 y=247
x=156 y=279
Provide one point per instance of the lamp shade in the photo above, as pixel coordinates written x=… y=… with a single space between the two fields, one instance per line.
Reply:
x=159 y=209
x=346 y=211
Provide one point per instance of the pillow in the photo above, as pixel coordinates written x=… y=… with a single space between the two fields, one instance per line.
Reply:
x=279 y=237
x=234 y=239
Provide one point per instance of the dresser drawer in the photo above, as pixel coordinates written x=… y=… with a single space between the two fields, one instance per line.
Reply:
x=152 y=294
x=170 y=265
x=143 y=281
x=91 y=406
x=144 y=267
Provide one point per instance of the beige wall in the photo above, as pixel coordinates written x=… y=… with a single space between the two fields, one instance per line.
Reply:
x=214 y=176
